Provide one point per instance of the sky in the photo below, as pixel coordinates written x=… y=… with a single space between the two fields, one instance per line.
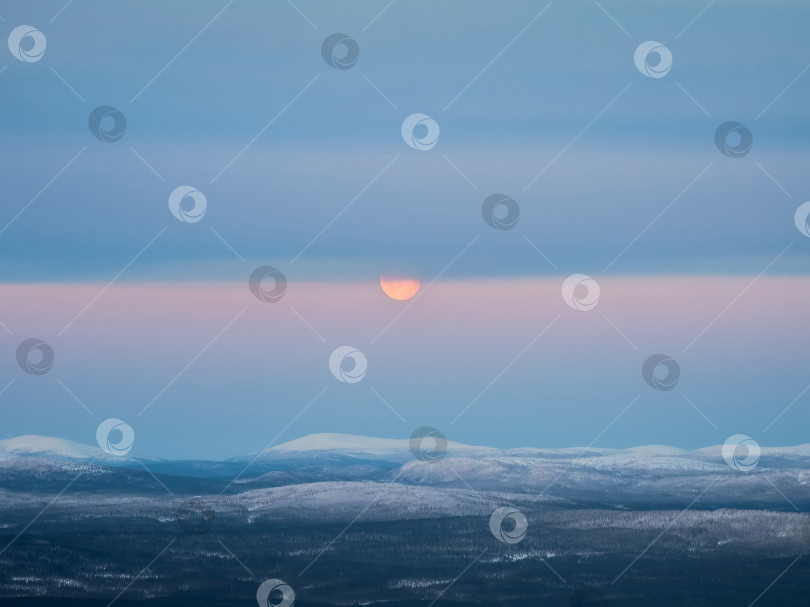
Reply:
x=304 y=168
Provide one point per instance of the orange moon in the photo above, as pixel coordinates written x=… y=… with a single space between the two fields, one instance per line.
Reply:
x=399 y=288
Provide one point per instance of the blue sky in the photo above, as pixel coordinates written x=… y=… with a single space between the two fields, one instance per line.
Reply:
x=546 y=85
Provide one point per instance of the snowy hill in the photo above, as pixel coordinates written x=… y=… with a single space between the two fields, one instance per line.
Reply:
x=389 y=449
x=47 y=446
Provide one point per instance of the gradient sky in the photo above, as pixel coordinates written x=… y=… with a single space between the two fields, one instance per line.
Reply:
x=698 y=260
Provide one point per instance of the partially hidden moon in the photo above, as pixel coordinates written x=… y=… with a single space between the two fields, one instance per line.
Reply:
x=399 y=288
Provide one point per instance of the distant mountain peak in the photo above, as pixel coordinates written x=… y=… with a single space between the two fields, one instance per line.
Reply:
x=356 y=444
x=330 y=441
x=32 y=444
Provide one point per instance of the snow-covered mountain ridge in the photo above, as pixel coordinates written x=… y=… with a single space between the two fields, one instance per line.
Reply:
x=394 y=450
x=33 y=445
